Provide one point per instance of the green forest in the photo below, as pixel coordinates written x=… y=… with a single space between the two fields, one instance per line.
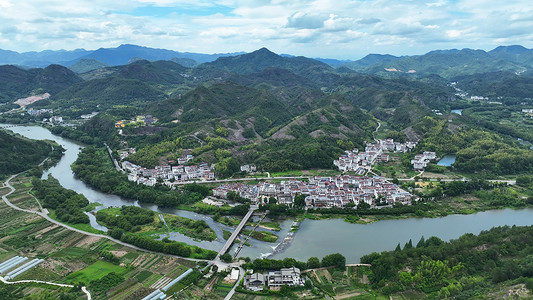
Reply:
x=19 y=154
x=468 y=267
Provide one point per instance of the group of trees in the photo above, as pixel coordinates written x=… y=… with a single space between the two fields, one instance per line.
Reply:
x=336 y=260
x=460 y=268
x=18 y=154
x=129 y=219
x=94 y=167
x=67 y=204
x=168 y=246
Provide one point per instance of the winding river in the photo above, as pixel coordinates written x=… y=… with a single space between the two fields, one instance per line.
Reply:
x=314 y=238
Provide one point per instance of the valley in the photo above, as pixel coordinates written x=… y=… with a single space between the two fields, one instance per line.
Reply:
x=203 y=142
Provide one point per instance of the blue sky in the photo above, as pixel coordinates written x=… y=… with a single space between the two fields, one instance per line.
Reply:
x=342 y=29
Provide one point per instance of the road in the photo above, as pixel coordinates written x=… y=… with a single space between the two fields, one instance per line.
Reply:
x=239 y=179
x=241 y=276
x=115 y=162
x=83 y=289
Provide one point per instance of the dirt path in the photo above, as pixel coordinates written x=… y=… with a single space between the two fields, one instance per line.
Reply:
x=339 y=297
x=44 y=215
x=45 y=282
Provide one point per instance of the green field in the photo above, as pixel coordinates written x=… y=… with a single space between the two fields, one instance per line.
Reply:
x=93 y=272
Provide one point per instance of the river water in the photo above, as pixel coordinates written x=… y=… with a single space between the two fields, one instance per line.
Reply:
x=314 y=238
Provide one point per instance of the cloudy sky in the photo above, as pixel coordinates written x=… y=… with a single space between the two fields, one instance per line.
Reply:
x=342 y=29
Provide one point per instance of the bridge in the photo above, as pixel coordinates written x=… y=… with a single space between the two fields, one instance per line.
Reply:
x=243 y=242
x=236 y=232
x=9 y=126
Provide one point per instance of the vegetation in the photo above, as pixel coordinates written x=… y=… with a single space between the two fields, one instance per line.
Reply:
x=142 y=227
x=94 y=167
x=264 y=236
x=462 y=268
x=19 y=154
x=67 y=205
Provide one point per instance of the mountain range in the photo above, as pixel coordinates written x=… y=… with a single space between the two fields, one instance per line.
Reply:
x=120 y=55
x=445 y=63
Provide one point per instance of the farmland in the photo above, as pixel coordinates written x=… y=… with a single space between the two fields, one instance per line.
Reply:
x=109 y=270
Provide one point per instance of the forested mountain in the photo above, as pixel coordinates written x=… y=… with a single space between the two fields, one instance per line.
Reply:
x=112 y=56
x=19 y=154
x=124 y=53
x=496 y=84
x=40 y=59
x=87 y=64
x=447 y=63
x=17 y=83
x=279 y=111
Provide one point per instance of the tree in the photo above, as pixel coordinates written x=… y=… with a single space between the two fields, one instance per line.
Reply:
x=299 y=201
x=335 y=259
x=226 y=257
x=313 y=262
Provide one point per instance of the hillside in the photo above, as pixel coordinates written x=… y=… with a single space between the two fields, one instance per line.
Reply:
x=19 y=154
x=17 y=83
x=260 y=60
x=447 y=63
x=123 y=54
x=87 y=64
x=106 y=92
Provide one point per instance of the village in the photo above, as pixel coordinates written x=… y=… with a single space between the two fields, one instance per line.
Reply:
x=325 y=192
x=321 y=192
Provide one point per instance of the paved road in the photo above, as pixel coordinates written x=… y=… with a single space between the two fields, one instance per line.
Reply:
x=115 y=162
x=230 y=294
x=77 y=230
x=83 y=289
x=239 y=179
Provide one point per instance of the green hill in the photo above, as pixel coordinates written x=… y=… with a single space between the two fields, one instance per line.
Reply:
x=18 y=154
x=87 y=64
x=447 y=63
x=17 y=83
x=107 y=93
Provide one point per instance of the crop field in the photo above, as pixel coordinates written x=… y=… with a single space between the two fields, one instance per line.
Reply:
x=93 y=272
x=72 y=257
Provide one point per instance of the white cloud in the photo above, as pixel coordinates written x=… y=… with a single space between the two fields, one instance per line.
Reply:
x=343 y=28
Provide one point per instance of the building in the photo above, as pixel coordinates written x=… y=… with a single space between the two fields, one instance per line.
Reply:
x=254 y=282
x=285 y=276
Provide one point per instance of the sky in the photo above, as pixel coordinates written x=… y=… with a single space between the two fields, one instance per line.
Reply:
x=341 y=29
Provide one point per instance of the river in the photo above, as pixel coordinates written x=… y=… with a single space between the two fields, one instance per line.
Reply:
x=314 y=238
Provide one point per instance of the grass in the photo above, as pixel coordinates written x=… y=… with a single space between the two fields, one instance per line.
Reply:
x=229 y=221
x=226 y=234
x=143 y=275
x=287 y=173
x=262 y=235
x=92 y=206
x=93 y=272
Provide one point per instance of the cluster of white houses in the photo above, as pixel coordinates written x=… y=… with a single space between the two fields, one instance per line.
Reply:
x=421 y=160
x=339 y=191
x=167 y=173
x=285 y=276
x=361 y=162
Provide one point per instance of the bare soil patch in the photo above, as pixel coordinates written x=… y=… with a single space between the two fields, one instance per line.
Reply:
x=23 y=102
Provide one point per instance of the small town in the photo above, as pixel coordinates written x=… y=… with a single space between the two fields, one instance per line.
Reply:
x=362 y=162
x=325 y=192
